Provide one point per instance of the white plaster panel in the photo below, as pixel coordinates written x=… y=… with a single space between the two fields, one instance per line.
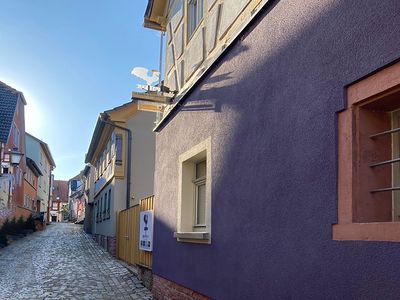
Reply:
x=172 y=81
x=178 y=41
x=210 y=3
x=169 y=61
x=230 y=11
x=194 y=54
x=176 y=14
x=211 y=28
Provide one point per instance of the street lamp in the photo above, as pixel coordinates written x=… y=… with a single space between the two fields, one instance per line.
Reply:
x=15 y=157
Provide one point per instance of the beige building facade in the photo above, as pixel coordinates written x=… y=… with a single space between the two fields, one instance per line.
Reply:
x=121 y=154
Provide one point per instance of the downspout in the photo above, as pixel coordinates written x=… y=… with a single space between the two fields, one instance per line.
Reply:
x=161 y=61
x=49 y=200
x=104 y=119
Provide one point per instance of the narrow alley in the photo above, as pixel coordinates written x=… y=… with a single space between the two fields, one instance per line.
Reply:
x=63 y=262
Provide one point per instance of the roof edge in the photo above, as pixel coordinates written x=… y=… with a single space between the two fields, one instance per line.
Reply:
x=205 y=70
x=45 y=147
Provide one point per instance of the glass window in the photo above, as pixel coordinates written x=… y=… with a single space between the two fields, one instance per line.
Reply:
x=105 y=206
x=200 y=194
x=109 y=204
x=195 y=15
x=118 y=149
x=100 y=209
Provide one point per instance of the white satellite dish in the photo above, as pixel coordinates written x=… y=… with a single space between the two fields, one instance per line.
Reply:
x=150 y=76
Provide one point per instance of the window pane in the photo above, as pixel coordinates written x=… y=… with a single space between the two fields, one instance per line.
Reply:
x=200 y=10
x=201 y=169
x=195 y=14
x=201 y=204
x=118 y=148
x=104 y=206
x=109 y=203
x=396 y=166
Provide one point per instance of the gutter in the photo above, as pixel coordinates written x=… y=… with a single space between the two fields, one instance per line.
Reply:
x=104 y=118
x=50 y=198
x=205 y=70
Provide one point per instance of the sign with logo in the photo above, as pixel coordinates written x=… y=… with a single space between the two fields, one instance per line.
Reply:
x=146 y=230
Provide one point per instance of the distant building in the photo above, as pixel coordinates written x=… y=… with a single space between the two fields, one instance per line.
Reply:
x=12 y=133
x=59 y=201
x=87 y=177
x=76 y=200
x=40 y=153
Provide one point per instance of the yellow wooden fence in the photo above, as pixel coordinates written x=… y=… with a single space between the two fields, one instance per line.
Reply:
x=128 y=234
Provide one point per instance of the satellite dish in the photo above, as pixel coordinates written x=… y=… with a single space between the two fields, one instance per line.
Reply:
x=150 y=76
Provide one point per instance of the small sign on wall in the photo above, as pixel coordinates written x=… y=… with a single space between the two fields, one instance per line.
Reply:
x=146 y=230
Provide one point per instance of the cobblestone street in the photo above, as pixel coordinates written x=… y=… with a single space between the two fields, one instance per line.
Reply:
x=63 y=262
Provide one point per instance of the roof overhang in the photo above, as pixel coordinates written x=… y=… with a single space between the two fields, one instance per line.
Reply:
x=103 y=131
x=34 y=167
x=154 y=17
x=46 y=150
x=153 y=97
x=22 y=98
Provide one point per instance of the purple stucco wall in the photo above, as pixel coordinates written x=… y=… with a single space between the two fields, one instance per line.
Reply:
x=270 y=107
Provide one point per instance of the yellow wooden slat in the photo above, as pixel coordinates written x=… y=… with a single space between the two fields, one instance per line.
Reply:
x=128 y=225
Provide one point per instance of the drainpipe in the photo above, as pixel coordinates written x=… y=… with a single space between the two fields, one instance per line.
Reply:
x=50 y=198
x=160 y=62
x=104 y=118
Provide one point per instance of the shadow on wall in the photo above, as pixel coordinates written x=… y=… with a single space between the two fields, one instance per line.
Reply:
x=274 y=158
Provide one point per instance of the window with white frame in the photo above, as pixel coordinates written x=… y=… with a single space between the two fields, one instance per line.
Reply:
x=194 y=15
x=194 y=198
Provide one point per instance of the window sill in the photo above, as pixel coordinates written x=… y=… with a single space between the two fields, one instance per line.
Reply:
x=192 y=237
x=385 y=231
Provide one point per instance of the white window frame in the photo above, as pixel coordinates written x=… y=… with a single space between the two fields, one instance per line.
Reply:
x=197 y=182
x=187 y=229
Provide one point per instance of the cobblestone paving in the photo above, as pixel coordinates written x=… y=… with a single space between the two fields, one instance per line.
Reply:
x=63 y=262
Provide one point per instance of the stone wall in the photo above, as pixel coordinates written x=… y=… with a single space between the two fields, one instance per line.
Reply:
x=146 y=276
x=165 y=289
x=109 y=243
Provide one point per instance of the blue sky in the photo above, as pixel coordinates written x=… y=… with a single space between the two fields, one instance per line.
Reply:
x=72 y=59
